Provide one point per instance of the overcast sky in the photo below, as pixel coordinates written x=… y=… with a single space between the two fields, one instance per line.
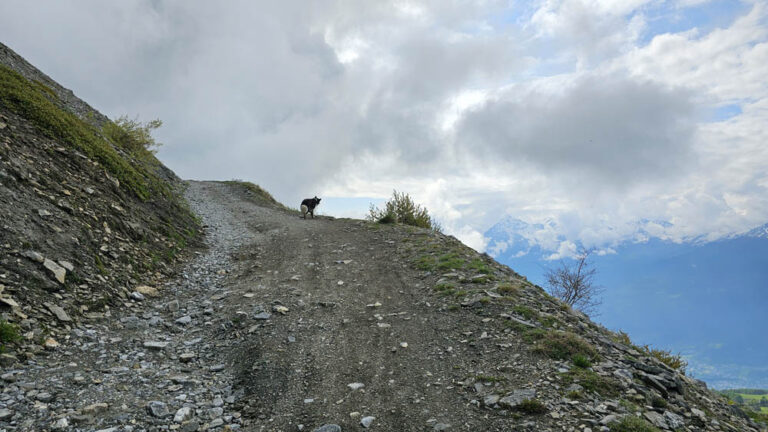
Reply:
x=606 y=116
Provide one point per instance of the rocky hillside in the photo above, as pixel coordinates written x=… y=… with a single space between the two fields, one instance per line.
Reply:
x=83 y=222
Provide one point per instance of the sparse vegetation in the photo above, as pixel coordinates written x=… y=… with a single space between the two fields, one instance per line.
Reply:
x=532 y=406
x=564 y=346
x=402 y=209
x=525 y=312
x=592 y=382
x=582 y=361
x=631 y=423
x=32 y=101
x=675 y=361
x=507 y=289
x=133 y=135
x=9 y=333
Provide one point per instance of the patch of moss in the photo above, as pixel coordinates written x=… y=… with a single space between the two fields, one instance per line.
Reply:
x=525 y=312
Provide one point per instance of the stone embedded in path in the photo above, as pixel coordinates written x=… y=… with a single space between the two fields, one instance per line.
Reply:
x=58 y=311
x=5 y=413
x=186 y=319
x=262 y=316
x=173 y=305
x=135 y=295
x=50 y=343
x=148 y=291
x=187 y=357
x=157 y=409
x=355 y=385
x=184 y=413
x=367 y=421
x=328 y=428
x=94 y=408
x=514 y=399
x=156 y=345
x=58 y=271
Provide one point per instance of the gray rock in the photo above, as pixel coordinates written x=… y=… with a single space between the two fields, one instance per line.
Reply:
x=441 y=426
x=183 y=413
x=187 y=357
x=155 y=345
x=217 y=401
x=491 y=400
x=58 y=311
x=67 y=265
x=514 y=399
x=214 y=413
x=262 y=316
x=61 y=423
x=367 y=421
x=135 y=295
x=173 y=305
x=44 y=397
x=58 y=271
x=656 y=419
x=157 y=409
x=186 y=319
x=328 y=428
x=34 y=256
x=217 y=367
x=215 y=423
x=5 y=413
x=674 y=420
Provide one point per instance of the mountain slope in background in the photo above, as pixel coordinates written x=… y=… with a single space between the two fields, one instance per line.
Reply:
x=705 y=300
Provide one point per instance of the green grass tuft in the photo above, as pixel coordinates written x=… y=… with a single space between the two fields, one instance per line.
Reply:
x=532 y=406
x=632 y=424
x=564 y=346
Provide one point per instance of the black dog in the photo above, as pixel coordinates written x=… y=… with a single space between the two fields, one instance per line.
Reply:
x=308 y=206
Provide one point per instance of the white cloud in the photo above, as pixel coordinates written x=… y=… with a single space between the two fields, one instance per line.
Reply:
x=551 y=112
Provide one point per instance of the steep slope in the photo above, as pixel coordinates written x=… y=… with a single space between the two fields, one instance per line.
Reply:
x=288 y=324
x=84 y=221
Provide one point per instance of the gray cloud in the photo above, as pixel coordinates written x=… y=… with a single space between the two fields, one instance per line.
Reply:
x=606 y=128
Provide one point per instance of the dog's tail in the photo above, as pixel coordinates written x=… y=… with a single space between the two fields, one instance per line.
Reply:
x=304 y=211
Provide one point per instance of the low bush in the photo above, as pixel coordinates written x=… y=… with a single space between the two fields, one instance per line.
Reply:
x=402 y=209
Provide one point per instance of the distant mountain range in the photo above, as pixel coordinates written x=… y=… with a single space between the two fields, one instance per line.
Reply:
x=706 y=300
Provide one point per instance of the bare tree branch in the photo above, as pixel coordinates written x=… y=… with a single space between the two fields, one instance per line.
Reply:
x=573 y=284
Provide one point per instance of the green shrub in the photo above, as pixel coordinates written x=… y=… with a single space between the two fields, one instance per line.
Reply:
x=658 y=402
x=565 y=346
x=401 y=209
x=9 y=333
x=133 y=135
x=582 y=361
x=632 y=424
x=675 y=361
x=532 y=406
